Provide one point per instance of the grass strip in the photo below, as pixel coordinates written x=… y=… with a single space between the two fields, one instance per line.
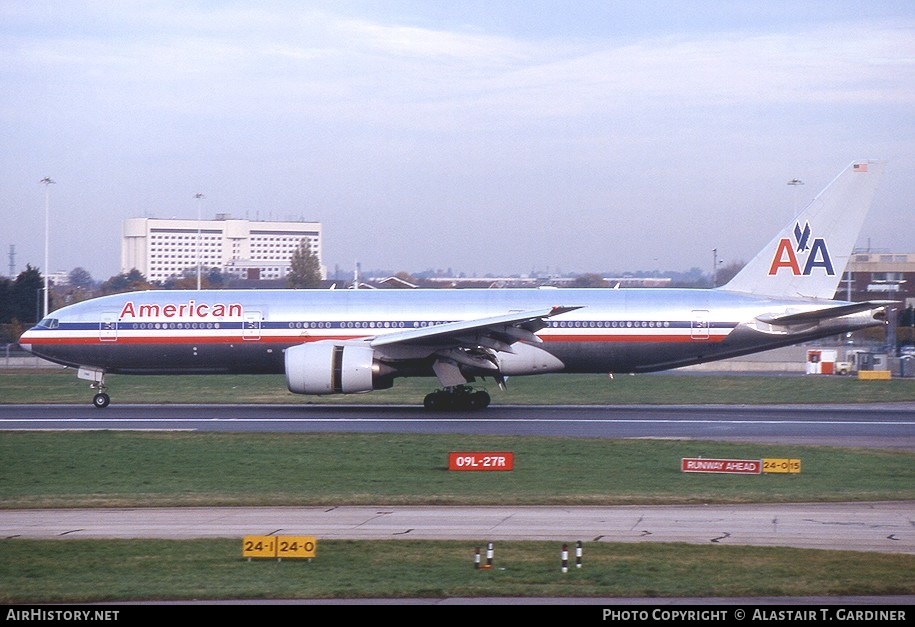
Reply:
x=62 y=386
x=141 y=469
x=83 y=571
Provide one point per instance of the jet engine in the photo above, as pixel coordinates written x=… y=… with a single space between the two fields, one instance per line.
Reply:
x=526 y=359
x=327 y=367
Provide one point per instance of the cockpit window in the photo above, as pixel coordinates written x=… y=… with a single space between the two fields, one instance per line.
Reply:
x=49 y=323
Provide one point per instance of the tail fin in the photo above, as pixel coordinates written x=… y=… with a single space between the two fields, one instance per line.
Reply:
x=807 y=259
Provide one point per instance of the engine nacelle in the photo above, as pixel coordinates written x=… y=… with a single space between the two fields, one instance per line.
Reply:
x=327 y=367
x=527 y=359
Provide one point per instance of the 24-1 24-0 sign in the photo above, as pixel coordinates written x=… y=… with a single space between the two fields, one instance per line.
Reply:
x=481 y=461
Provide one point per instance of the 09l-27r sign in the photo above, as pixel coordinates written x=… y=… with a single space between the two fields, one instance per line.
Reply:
x=481 y=461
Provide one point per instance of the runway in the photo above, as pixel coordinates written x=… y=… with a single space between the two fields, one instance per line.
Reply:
x=882 y=527
x=871 y=426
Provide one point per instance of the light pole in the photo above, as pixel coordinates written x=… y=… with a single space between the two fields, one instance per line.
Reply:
x=199 y=198
x=794 y=183
x=715 y=263
x=46 y=181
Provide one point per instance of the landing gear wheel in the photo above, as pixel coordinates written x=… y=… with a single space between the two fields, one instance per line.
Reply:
x=479 y=400
x=433 y=401
x=101 y=400
x=456 y=398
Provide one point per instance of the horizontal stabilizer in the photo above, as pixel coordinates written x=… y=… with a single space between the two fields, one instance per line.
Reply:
x=825 y=313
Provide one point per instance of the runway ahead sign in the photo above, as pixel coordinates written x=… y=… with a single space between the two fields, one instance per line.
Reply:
x=730 y=466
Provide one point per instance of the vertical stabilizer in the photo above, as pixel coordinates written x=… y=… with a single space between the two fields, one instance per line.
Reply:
x=807 y=259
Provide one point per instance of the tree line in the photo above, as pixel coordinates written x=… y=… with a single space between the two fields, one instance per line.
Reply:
x=22 y=298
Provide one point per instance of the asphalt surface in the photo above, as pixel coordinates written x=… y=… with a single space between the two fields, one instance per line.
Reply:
x=885 y=527
x=890 y=425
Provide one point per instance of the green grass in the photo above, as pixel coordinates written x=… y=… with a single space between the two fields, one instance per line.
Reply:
x=138 y=469
x=62 y=386
x=82 y=571
x=133 y=469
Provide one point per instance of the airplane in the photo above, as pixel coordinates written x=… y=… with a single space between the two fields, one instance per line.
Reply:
x=355 y=341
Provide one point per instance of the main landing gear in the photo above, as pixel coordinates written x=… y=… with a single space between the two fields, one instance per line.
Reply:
x=456 y=397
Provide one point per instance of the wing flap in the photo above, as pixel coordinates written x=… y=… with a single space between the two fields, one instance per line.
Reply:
x=507 y=328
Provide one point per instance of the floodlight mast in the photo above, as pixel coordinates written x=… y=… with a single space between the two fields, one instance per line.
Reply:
x=47 y=182
x=794 y=183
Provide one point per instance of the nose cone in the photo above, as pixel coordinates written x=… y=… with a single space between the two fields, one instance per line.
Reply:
x=25 y=340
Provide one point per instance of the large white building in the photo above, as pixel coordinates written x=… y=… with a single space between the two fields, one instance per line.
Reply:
x=241 y=249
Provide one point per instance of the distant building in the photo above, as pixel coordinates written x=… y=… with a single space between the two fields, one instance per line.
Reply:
x=507 y=282
x=59 y=278
x=879 y=276
x=241 y=249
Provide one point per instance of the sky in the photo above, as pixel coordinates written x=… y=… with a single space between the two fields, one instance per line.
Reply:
x=481 y=137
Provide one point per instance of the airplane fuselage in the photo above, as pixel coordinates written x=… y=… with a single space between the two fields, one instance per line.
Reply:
x=247 y=331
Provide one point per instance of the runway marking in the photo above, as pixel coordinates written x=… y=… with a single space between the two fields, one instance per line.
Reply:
x=451 y=420
x=150 y=429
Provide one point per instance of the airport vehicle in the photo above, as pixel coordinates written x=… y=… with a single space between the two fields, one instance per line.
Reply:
x=354 y=341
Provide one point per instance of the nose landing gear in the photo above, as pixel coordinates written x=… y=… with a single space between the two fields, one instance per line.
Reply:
x=97 y=382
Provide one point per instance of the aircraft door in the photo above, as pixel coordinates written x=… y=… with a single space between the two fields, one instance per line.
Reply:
x=699 y=326
x=251 y=327
x=108 y=327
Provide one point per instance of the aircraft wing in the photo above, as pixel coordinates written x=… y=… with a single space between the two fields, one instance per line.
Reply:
x=825 y=313
x=497 y=332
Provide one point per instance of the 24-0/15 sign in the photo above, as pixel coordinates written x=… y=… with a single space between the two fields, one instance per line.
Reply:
x=481 y=461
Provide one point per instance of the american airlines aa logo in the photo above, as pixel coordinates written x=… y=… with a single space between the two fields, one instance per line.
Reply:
x=814 y=255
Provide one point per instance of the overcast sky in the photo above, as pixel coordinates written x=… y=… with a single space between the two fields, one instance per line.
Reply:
x=482 y=136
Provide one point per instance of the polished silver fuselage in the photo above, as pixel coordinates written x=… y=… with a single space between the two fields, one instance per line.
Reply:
x=247 y=331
